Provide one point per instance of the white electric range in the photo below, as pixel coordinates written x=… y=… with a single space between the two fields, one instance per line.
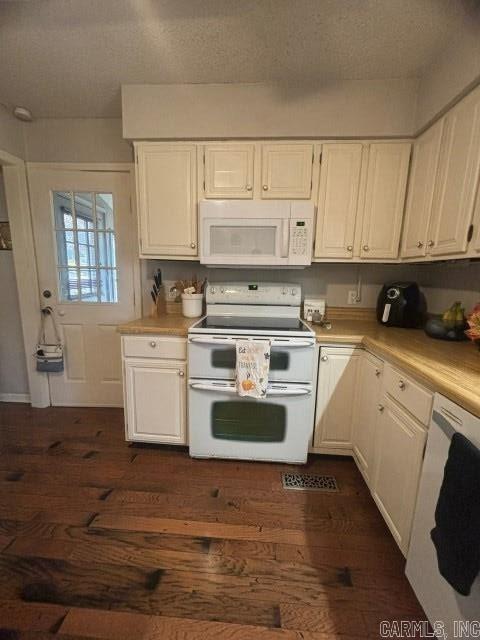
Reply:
x=225 y=425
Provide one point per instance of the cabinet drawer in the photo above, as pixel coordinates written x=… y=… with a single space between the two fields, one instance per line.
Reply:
x=416 y=399
x=154 y=347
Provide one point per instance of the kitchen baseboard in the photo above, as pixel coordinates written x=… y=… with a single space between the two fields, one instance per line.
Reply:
x=15 y=397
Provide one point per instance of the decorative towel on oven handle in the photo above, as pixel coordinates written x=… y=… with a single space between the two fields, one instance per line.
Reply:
x=253 y=365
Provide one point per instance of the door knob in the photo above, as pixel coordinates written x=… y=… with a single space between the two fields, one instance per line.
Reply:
x=419 y=244
x=377 y=372
x=366 y=247
x=324 y=358
x=265 y=187
x=47 y=293
x=381 y=408
x=431 y=243
x=249 y=187
x=181 y=374
x=401 y=385
x=153 y=344
x=192 y=245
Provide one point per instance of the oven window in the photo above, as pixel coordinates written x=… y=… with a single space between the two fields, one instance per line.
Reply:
x=249 y=421
x=227 y=359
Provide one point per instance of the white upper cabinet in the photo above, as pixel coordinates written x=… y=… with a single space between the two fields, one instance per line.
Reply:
x=287 y=171
x=457 y=178
x=338 y=200
x=384 y=199
x=167 y=198
x=423 y=172
x=229 y=170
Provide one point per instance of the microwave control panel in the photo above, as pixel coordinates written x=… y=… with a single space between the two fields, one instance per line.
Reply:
x=300 y=250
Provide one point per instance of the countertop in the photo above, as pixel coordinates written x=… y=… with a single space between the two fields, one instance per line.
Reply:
x=451 y=368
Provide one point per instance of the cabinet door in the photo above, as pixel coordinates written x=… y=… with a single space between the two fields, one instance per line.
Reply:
x=457 y=178
x=366 y=413
x=398 y=459
x=337 y=378
x=338 y=200
x=476 y=224
x=167 y=200
x=384 y=199
x=287 y=170
x=426 y=153
x=155 y=400
x=229 y=171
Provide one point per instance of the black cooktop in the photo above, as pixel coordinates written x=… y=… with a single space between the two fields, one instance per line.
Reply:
x=258 y=324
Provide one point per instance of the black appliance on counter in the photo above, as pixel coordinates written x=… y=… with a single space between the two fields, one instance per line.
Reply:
x=400 y=304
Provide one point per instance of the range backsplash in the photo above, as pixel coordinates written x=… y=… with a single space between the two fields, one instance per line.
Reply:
x=442 y=283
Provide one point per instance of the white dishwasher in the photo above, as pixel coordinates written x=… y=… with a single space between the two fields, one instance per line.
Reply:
x=439 y=600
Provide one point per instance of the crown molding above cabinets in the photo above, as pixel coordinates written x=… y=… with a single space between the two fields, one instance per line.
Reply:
x=376 y=202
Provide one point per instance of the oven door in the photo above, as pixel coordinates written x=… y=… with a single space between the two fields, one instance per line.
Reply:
x=223 y=424
x=215 y=357
x=244 y=241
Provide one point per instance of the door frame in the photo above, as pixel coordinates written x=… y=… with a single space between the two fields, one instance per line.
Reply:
x=19 y=216
x=15 y=173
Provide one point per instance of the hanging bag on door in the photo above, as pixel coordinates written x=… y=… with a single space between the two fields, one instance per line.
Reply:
x=49 y=356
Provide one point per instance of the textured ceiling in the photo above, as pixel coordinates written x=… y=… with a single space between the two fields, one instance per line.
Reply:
x=68 y=58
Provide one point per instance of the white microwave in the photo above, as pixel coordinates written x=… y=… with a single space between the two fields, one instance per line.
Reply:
x=250 y=234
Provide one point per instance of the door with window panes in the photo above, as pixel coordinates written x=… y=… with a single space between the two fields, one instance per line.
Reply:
x=85 y=246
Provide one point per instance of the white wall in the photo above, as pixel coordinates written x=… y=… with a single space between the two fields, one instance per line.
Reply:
x=11 y=134
x=13 y=372
x=76 y=140
x=455 y=70
x=356 y=108
x=442 y=284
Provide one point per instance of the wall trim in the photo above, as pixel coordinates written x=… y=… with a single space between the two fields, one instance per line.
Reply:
x=15 y=397
x=126 y=167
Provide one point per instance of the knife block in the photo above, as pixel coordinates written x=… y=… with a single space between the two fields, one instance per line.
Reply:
x=160 y=308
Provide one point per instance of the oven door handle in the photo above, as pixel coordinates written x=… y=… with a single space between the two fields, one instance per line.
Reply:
x=273 y=342
x=271 y=391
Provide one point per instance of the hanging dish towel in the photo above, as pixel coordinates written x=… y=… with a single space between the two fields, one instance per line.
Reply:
x=253 y=364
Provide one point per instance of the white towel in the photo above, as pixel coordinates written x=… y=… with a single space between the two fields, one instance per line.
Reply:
x=253 y=364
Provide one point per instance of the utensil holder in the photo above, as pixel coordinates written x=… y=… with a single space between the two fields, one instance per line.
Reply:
x=192 y=305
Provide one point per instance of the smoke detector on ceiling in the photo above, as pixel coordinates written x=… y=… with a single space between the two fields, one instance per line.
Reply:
x=23 y=113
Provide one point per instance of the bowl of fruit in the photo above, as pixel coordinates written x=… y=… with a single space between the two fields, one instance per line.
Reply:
x=473 y=322
x=451 y=325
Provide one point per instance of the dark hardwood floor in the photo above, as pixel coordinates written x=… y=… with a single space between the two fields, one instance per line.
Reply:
x=99 y=539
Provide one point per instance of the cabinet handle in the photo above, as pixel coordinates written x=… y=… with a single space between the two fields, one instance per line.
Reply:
x=381 y=408
x=419 y=244
x=192 y=245
x=377 y=372
x=181 y=374
x=249 y=187
x=366 y=247
x=153 y=344
x=324 y=358
x=349 y=248
x=401 y=385
x=265 y=187
x=431 y=243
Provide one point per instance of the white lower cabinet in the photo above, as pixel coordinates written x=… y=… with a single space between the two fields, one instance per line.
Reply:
x=367 y=398
x=399 y=447
x=155 y=399
x=337 y=380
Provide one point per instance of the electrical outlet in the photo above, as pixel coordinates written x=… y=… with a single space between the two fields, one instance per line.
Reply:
x=352 y=297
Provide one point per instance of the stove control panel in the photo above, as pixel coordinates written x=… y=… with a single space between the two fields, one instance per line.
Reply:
x=260 y=293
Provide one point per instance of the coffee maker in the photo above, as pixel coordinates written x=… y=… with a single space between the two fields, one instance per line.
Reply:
x=400 y=304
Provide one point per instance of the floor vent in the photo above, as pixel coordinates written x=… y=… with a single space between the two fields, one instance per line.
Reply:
x=309 y=482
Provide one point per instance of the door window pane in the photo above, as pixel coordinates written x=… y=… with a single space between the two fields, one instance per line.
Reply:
x=249 y=421
x=81 y=220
